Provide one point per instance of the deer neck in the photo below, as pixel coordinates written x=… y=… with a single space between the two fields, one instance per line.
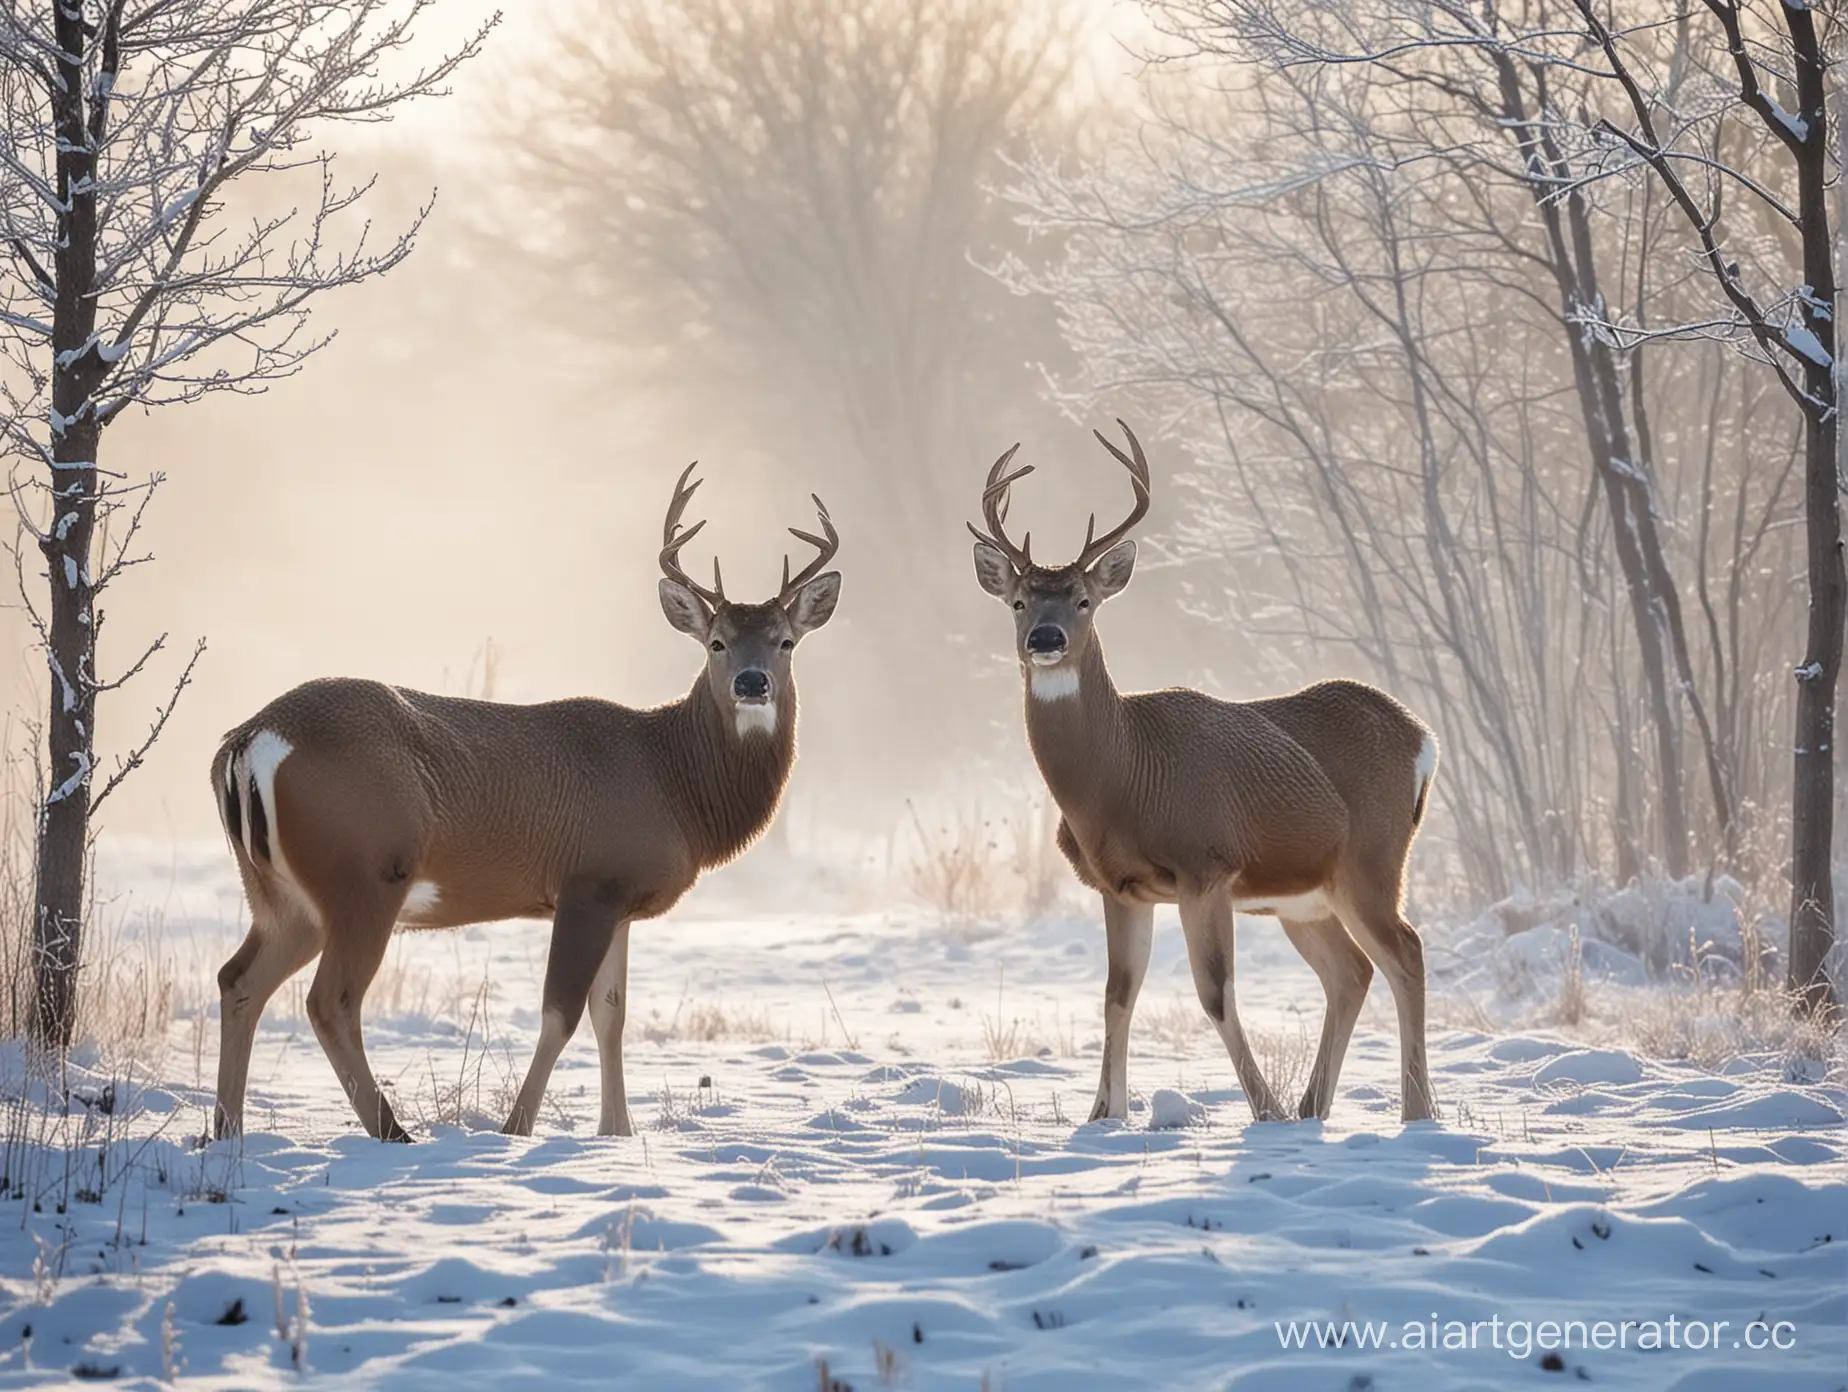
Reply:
x=725 y=781
x=1075 y=725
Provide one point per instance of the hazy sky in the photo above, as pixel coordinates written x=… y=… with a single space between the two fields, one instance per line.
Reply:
x=449 y=471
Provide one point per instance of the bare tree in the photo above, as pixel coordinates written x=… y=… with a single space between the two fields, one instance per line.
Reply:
x=1380 y=336
x=781 y=199
x=1469 y=92
x=1784 y=313
x=133 y=280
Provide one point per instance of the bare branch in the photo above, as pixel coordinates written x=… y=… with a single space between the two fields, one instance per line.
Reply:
x=162 y=714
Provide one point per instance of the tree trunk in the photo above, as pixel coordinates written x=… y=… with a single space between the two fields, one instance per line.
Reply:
x=1812 y=802
x=64 y=817
x=70 y=726
x=1812 y=910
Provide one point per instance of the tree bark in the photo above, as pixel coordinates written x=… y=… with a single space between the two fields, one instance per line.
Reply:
x=70 y=726
x=64 y=816
x=1812 y=910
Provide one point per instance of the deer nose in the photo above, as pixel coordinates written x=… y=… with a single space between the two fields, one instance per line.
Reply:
x=1046 y=638
x=751 y=684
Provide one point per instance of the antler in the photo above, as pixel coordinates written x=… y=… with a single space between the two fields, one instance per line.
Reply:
x=671 y=543
x=1095 y=546
x=826 y=545
x=994 y=512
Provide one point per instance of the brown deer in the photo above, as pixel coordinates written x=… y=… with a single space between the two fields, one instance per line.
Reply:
x=1301 y=806
x=352 y=807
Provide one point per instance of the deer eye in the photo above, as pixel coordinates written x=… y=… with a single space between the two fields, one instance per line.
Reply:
x=1084 y=604
x=1020 y=604
x=717 y=646
x=789 y=644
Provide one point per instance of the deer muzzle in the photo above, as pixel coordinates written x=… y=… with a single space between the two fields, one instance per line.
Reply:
x=1046 y=643
x=752 y=684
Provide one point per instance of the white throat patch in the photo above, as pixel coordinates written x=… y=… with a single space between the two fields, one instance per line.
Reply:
x=1052 y=683
x=755 y=718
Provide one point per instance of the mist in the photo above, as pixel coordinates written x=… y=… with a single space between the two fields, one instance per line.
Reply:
x=994 y=227
x=1369 y=785
x=467 y=463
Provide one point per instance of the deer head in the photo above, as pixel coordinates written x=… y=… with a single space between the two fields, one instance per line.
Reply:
x=748 y=646
x=1054 y=605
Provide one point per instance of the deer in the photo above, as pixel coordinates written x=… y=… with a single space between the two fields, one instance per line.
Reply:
x=353 y=808
x=1300 y=807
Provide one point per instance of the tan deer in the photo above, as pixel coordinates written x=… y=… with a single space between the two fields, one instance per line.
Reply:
x=1302 y=807
x=353 y=807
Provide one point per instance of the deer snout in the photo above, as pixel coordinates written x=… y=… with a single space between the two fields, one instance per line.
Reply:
x=752 y=684
x=1046 y=643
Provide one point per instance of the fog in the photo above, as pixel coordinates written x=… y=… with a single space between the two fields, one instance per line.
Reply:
x=465 y=462
x=658 y=236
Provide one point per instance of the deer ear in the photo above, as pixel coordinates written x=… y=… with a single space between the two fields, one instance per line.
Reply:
x=685 y=610
x=814 y=603
x=993 y=571
x=1112 y=570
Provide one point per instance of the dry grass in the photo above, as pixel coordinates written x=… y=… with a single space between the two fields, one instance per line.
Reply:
x=1708 y=1014
x=1285 y=1054
x=1708 y=1025
x=1571 y=1007
x=470 y=1093
x=1712 y=1025
x=129 y=987
x=1178 y=1023
x=974 y=866
x=708 y=1022
x=1284 y=1057
x=1451 y=1009
x=1001 y=1039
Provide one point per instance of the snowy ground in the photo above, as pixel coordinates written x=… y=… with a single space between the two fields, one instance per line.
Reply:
x=857 y=1142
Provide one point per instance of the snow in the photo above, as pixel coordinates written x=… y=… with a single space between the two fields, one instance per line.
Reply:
x=76 y=779
x=859 y=1139
x=1516 y=949
x=1589 y=1066
x=1169 y=1110
x=1803 y=341
x=1795 y=124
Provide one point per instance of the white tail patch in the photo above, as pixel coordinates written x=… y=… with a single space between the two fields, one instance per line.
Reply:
x=1052 y=683
x=250 y=777
x=756 y=717
x=1424 y=769
x=420 y=901
x=257 y=778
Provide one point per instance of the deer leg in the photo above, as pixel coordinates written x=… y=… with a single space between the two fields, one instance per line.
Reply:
x=278 y=945
x=609 y=1005
x=349 y=961
x=1398 y=951
x=581 y=935
x=1207 y=920
x=1345 y=973
x=1128 y=931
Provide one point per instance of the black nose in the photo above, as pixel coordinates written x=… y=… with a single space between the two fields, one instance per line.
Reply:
x=751 y=685
x=1046 y=638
